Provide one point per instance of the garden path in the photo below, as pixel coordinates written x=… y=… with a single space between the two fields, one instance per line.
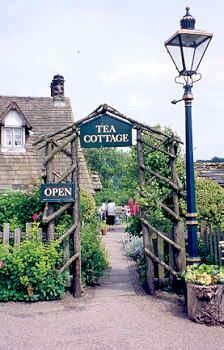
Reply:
x=113 y=316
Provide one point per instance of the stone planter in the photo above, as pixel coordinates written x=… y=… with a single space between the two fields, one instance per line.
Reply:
x=103 y=231
x=205 y=304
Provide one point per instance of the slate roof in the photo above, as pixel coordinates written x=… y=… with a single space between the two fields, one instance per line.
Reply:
x=44 y=115
x=212 y=171
x=41 y=112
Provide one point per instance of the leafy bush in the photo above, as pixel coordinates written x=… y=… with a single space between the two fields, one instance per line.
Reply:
x=17 y=207
x=205 y=274
x=87 y=206
x=93 y=254
x=133 y=246
x=210 y=202
x=134 y=226
x=28 y=272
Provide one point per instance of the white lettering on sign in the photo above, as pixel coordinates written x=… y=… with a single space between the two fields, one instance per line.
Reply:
x=57 y=192
x=105 y=128
x=107 y=138
x=47 y=192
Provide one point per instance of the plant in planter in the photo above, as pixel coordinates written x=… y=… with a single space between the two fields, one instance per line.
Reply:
x=103 y=228
x=205 y=293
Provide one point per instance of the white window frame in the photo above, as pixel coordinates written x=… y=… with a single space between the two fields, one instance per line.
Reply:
x=13 y=124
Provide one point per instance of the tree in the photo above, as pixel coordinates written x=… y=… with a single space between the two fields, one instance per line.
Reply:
x=118 y=172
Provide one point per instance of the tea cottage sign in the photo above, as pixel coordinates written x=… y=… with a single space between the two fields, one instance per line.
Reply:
x=62 y=192
x=105 y=131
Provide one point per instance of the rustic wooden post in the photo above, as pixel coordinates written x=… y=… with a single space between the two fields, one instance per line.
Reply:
x=161 y=271
x=49 y=179
x=76 y=265
x=178 y=258
x=218 y=240
x=147 y=236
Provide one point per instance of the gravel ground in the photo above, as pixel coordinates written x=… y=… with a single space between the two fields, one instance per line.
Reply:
x=116 y=315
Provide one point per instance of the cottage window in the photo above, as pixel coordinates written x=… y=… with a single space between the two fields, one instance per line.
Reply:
x=13 y=133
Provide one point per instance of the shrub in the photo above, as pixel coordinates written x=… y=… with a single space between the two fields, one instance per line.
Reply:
x=210 y=202
x=205 y=274
x=133 y=246
x=87 y=206
x=134 y=226
x=28 y=272
x=17 y=207
x=93 y=254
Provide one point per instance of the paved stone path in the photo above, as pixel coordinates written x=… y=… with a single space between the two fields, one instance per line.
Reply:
x=110 y=317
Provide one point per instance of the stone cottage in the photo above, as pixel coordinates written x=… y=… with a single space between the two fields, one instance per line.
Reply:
x=23 y=120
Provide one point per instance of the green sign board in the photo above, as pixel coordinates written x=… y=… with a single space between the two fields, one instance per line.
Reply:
x=60 y=192
x=105 y=131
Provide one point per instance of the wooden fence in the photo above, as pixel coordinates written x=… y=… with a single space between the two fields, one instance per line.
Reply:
x=15 y=237
x=212 y=244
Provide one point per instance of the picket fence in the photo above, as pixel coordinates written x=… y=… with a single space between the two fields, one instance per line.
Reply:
x=212 y=243
x=15 y=237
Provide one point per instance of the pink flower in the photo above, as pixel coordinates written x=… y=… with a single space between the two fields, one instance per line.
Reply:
x=35 y=217
x=1 y=264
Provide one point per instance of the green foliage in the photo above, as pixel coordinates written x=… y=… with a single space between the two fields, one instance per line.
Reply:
x=134 y=226
x=28 y=272
x=209 y=196
x=94 y=260
x=118 y=173
x=133 y=246
x=142 y=270
x=210 y=202
x=17 y=207
x=87 y=206
x=205 y=274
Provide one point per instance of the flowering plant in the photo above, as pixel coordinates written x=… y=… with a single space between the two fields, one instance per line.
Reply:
x=35 y=217
x=205 y=274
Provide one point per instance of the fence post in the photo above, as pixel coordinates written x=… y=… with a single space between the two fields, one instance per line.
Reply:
x=161 y=271
x=6 y=233
x=180 y=239
x=17 y=237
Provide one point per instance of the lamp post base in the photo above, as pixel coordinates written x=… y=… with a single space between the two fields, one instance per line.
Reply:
x=195 y=260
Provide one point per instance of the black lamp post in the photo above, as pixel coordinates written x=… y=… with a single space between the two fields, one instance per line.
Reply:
x=187 y=48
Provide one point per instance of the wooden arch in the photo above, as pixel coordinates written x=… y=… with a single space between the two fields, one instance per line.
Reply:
x=65 y=142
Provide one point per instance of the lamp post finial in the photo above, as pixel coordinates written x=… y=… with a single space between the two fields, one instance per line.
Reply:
x=187 y=22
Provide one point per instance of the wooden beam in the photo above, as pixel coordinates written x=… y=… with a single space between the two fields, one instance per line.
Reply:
x=162 y=178
x=160 y=234
x=169 y=211
x=59 y=148
x=45 y=137
x=47 y=219
x=147 y=239
x=49 y=178
x=96 y=112
x=65 y=151
x=76 y=266
x=158 y=261
x=156 y=148
x=68 y=263
x=67 y=233
x=66 y=173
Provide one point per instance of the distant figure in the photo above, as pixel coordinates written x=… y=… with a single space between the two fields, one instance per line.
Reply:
x=110 y=213
x=127 y=212
x=133 y=206
x=102 y=211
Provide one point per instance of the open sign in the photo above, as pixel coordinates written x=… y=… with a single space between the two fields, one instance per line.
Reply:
x=63 y=192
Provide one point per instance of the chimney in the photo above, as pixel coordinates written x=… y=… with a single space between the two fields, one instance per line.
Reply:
x=57 y=87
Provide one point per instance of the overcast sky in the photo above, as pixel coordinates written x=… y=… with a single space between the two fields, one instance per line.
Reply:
x=112 y=52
